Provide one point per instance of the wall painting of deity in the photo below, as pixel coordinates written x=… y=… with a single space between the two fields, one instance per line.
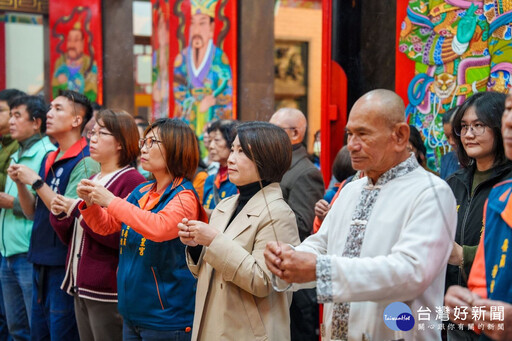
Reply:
x=459 y=48
x=194 y=60
x=76 y=60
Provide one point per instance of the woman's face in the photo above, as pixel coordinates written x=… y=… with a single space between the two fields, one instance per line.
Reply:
x=241 y=170
x=152 y=156
x=479 y=147
x=219 y=149
x=102 y=145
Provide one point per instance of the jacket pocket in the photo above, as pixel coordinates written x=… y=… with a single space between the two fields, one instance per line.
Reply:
x=159 y=286
x=254 y=316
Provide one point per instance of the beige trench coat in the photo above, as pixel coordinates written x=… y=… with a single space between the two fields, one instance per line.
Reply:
x=235 y=299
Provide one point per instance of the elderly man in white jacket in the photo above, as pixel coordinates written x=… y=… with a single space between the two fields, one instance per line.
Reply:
x=386 y=239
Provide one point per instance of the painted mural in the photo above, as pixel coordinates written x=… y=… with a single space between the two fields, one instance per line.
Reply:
x=202 y=50
x=459 y=48
x=76 y=47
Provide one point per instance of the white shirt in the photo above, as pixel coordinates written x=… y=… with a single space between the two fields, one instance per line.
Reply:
x=406 y=246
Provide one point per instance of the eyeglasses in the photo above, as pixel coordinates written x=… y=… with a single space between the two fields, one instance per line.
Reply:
x=148 y=142
x=476 y=129
x=291 y=128
x=98 y=134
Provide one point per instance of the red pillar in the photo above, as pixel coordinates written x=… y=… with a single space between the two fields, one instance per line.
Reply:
x=334 y=98
x=404 y=67
x=3 y=70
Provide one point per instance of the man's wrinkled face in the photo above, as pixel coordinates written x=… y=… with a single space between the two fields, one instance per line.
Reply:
x=369 y=141
x=75 y=44
x=4 y=116
x=201 y=30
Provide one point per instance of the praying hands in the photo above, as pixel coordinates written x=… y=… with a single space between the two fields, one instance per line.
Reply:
x=290 y=265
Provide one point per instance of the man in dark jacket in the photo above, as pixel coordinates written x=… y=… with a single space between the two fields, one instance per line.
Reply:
x=302 y=187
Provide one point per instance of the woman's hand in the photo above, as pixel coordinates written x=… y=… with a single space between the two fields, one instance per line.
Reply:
x=84 y=190
x=196 y=231
x=184 y=234
x=61 y=204
x=322 y=207
x=22 y=174
x=456 y=255
x=98 y=194
x=460 y=297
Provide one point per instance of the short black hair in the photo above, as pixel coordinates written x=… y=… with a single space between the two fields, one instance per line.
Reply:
x=80 y=99
x=489 y=107
x=268 y=146
x=417 y=142
x=448 y=115
x=8 y=94
x=227 y=128
x=342 y=165
x=96 y=107
x=35 y=105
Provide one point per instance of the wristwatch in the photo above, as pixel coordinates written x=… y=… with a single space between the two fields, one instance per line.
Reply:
x=37 y=184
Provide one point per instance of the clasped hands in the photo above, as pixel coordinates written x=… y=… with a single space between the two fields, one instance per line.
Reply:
x=194 y=233
x=462 y=299
x=290 y=265
x=94 y=193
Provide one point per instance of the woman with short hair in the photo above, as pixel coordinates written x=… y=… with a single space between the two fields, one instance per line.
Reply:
x=156 y=291
x=217 y=186
x=92 y=259
x=235 y=298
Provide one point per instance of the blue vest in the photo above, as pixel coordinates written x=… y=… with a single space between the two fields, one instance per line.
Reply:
x=155 y=287
x=227 y=189
x=45 y=246
x=497 y=244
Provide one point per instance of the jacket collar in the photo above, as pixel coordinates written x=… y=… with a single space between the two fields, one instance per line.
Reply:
x=73 y=151
x=465 y=175
x=34 y=149
x=254 y=207
x=298 y=154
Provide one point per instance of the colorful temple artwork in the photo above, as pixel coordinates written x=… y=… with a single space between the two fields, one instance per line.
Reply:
x=76 y=47
x=160 y=62
x=202 y=49
x=459 y=48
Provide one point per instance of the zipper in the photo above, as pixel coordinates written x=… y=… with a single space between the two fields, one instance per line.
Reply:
x=462 y=230
x=466 y=214
x=3 y=224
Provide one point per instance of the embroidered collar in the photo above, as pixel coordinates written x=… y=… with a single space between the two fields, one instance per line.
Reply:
x=399 y=170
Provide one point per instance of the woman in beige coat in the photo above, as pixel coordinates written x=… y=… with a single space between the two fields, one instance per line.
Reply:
x=235 y=299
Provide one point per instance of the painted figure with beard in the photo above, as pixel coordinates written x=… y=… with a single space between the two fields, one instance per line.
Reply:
x=75 y=70
x=202 y=75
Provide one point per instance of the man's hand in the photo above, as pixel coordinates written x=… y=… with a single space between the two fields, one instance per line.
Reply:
x=456 y=255
x=290 y=265
x=23 y=174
